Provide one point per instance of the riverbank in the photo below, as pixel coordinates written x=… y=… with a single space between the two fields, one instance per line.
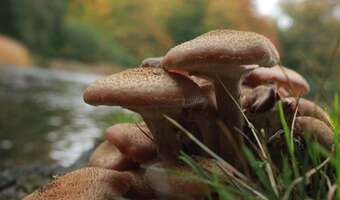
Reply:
x=52 y=131
x=92 y=68
x=17 y=182
x=72 y=66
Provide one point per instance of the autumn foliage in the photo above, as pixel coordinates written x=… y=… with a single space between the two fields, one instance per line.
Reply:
x=148 y=28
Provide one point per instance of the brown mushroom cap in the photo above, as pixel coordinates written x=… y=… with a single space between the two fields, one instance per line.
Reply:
x=106 y=155
x=152 y=62
x=281 y=75
x=86 y=184
x=259 y=99
x=144 y=88
x=132 y=141
x=218 y=49
x=159 y=177
x=309 y=127
x=151 y=92
x=307 y=108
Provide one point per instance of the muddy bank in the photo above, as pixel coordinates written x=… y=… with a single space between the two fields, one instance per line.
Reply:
x=17 y=182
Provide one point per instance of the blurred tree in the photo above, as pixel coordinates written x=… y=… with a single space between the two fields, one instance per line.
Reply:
x=239 y=15
x=6 y=19
x=186 y=19
x=123 y=32
x=80 y=43
x=37 y=23
x=149 y=28
x=83 y=43
x=311 y=43
x=133 y=26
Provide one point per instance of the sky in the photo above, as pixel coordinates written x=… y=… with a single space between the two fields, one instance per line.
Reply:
x=271 y=8
x=268 y=7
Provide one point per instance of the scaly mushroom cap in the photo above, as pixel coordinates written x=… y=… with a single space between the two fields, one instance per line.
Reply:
x=131 y=140
x=147 y=88
x=86 y=184
x=220 y=49
x=106 y=155
x=281 y=75
x=152 y=62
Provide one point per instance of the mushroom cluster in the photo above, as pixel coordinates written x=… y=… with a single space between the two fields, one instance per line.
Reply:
x=209 y=85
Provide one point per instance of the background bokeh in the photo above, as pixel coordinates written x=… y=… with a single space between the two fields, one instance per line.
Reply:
x=43 y=107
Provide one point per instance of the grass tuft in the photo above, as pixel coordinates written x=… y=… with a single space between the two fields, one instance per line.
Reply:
x=309 y=173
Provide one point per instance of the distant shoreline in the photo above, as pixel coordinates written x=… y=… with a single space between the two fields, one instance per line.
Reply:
x=73 y=66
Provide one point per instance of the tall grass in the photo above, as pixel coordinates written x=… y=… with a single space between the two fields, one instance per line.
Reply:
x=335 y=115
x=312 y=172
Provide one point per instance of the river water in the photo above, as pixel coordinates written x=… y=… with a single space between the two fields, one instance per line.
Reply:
x=43 y=118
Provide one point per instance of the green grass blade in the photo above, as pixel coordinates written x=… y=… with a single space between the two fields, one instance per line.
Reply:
x=194 y=166
x=287 y=132
x=259 y=169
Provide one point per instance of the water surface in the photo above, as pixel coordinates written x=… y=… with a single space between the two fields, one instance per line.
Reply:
x=44 y=120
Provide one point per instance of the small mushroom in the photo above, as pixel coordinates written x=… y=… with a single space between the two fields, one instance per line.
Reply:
x=153 y=93
x=261 y=111
x=161 y=178
x=259 y=99
x=269 y=120
x=312 y=128
x=284 y=78
x=223 y=55
x=106 y=155
x=86 y=184
x=133 y=140
x=307 y=108
x=151 y=62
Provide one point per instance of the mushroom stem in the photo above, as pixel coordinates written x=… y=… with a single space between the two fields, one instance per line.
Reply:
x=209 y=131
x=205 y=120
x=166 y=138
x=228 y=110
